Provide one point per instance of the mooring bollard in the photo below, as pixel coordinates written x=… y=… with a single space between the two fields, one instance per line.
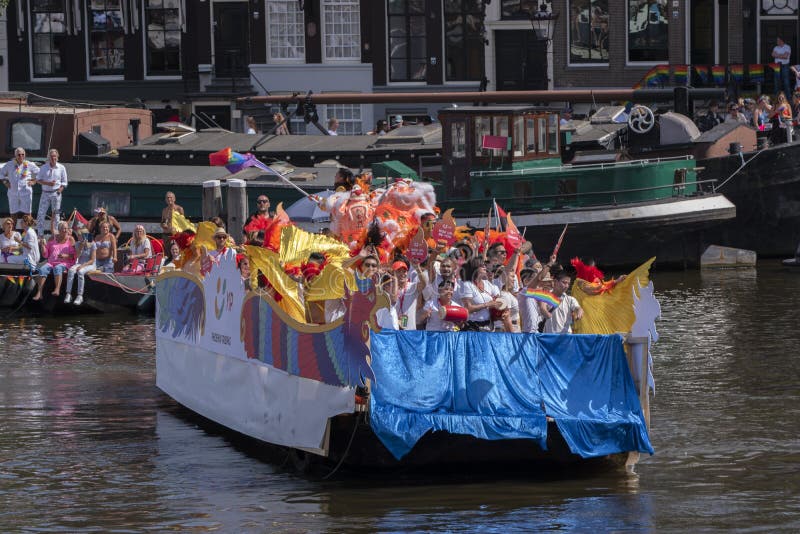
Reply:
x=237 y=208
x=212 y=199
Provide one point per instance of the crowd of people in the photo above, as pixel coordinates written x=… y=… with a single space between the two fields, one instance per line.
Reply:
x=762 y=114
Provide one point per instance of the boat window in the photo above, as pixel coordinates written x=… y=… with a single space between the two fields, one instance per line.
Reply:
x=541 y=145
x=458 y=141
x=530 y=135
x=519 y=136
x=501 y=126
x=482 y=127
x=552 y=141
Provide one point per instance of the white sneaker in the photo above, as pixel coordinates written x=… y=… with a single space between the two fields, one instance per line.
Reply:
x=78 y=300
x=68 y=299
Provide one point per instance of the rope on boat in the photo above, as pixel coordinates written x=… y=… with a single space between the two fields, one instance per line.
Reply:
x=742 y=166
x=127 y=289
x=347 y=450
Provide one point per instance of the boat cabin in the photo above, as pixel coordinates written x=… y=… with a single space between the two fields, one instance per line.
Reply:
x=494 y=138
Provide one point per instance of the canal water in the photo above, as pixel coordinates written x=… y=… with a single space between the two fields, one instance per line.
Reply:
x=88 y=443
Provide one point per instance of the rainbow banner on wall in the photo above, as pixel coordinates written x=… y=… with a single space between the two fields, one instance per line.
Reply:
x=657 y=76
x=718 y=74
x=776 y=73
x=737 y=73
x=755 y=73
x=681 y=74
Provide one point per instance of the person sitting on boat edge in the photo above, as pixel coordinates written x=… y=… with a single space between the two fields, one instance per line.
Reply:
x=101 y=216
x=106 y=248
x=478 y=295
x=559 y=320
x=140 y=249
x=432 y=310
x=29 y=244
x=60 y=254
x=9 y=240
x=86 y=252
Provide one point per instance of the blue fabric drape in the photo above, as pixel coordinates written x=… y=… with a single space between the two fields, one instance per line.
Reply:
x=502 y=386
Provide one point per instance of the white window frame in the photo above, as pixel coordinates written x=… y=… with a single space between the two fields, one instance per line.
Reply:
x=31 y=35
x=331 y=18
x=347 y=126
x=268 y=19
x=630 y=63
x=87 y=35
x=146 y=56
x=592 y=64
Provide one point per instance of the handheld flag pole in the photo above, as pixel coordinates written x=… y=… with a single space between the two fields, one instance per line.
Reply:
x=560 y=240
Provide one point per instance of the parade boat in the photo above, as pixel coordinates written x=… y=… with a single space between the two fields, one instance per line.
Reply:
x=353 y=394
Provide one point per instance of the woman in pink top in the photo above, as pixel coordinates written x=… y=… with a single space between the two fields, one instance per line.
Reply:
x=60 y=254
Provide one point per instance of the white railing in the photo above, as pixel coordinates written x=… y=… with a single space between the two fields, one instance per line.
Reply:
x=589 y=166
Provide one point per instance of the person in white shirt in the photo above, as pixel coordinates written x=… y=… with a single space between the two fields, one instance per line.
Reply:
x=447 y=272
x=432 y=311
x=478 y=295
x=29 y=243
x=406 y=296
x=782 y=53
x=559 y=319
x=333 y=126
x=53 y=179
x=18 y=176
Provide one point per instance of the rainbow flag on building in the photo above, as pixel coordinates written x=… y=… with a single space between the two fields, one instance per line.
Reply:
x=776 y=74
x=755 y=73
x=681 y=74
x=737 y=73
x=718 y=74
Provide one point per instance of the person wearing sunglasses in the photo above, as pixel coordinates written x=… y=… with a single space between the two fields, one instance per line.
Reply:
x=259 y=220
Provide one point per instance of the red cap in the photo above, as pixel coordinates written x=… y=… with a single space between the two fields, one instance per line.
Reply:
x=396 y=266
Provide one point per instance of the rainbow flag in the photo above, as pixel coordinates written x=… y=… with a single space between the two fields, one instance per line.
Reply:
x=755 y=73
x=701 y=71
x=681 y=73
x=737 y=73
x=718 y=74
x=235 y=162
x=652 y=78
x=542 y=296
x=776 y=74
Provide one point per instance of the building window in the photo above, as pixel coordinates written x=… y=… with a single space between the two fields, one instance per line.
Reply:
x=519 y=9
x=287 y=38
x=779 y=7
x=342 y=29
x=458 y=139
x=463 y=45
x=647 y=31
x=588 y=31
x=48 y=23
x=26 y=133
x=106 y=37
x=407 y=43
x=348 y=115
x=163 y=22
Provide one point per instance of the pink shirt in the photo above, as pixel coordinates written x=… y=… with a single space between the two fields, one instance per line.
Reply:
x=54 y=248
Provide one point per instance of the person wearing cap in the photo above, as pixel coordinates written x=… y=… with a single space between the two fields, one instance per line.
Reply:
x=86 y=252
x=407 y=294
x=19 y=175
x=101 y=216
x=53 y=179
x=221 y=247
x=397 y=121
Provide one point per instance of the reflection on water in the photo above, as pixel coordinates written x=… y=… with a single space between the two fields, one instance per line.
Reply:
x=88 y=442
